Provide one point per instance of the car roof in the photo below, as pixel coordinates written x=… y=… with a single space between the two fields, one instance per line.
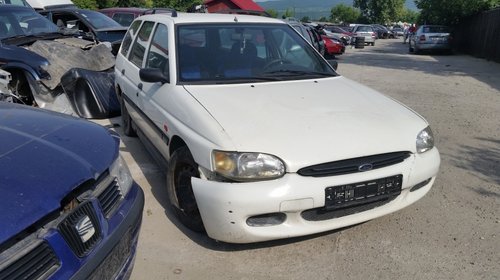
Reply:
x=11 y=7
x=124 y=9
x=182 y=18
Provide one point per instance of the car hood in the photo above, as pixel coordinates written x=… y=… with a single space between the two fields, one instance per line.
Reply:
x=43 y=157
x=308 y=122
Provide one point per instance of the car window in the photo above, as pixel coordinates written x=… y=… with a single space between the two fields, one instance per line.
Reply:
x=141 y=41
x=435 y=29
x=23 y=22
x=98 y=20
x=127 y=40
x=364 y=29
x=218 y=53
x=124 y=19
x=158 y=50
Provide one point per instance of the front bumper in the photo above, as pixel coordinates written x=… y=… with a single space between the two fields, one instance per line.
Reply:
x=114 y=256
x=225 y=207
x=433 y=46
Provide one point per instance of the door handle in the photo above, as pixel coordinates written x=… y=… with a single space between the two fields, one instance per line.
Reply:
x=139 y=85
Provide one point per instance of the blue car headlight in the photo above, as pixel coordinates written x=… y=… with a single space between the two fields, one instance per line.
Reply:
x=120 y=171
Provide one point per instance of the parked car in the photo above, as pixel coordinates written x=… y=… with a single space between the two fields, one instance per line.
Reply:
x=124 y=16
x=398 y=31
x=338 y=33
x=430 y=38
x=382 y=31
x=52 y=69
x=15 y=2
x=365 y=31
x=309 y=34
x=333 y=47
x=92 y=25
x=70 y=208
x=263 y=139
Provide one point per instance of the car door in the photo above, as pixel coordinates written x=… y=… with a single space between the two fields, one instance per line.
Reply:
x=152 y=101
x=128 y=65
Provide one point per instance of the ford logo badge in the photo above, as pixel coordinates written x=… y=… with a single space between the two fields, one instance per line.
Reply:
x=365 y=167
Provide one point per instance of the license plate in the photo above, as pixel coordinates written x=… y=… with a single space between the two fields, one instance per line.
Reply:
x=362 y=193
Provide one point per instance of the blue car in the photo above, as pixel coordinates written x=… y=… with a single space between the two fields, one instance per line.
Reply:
x=69 y=208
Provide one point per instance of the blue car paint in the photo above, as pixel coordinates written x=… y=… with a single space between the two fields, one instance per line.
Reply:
x=21 y=58
x=43 y=157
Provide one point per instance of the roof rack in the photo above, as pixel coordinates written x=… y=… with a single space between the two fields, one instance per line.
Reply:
x=244 y=12
x=172 y=11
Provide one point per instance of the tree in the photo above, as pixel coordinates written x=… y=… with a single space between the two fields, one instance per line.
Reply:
x=86 y=4
x=288 y=13
x=305 y=19
x=323 y=19
x=342 y=13
x=449 y=12
x=409 y=16
x=180 y=5
x=380 y=11
x=272 y=13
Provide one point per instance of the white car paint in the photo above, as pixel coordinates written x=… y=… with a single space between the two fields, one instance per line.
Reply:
x=303 y=122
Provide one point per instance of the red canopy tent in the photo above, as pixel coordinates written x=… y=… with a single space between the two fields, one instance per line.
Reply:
x=214 y=6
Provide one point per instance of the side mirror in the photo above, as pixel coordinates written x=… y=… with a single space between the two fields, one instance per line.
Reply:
x=153 y=75
x=333 y=63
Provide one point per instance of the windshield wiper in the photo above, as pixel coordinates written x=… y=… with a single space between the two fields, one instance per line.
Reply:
x=233 y=80
x=285 y=72
x=32 y=37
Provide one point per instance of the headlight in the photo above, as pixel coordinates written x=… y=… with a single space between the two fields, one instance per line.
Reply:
x=247 y=166
x=120 y=171
x=425 y=140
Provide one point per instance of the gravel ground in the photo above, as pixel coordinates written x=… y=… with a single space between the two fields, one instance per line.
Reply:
x=451 y=233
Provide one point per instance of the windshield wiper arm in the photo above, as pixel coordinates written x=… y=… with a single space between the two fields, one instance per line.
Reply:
x=283 y=72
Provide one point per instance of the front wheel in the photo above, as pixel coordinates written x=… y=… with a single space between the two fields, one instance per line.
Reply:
x=181 y=168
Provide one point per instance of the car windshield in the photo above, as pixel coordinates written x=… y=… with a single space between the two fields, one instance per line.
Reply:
x=435 y=29
x=98 y=20
x=24 y=22
x=233 y=53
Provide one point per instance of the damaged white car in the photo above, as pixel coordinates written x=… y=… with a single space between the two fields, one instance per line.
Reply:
x=53 y=69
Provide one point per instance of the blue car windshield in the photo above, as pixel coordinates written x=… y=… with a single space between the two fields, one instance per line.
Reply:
x=233 y=53
x=24 y=22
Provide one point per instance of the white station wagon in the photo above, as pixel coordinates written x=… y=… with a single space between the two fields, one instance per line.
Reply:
x=263 y=139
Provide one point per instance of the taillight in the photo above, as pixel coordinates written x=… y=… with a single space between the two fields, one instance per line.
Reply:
x=422 y=37
x=373 y=34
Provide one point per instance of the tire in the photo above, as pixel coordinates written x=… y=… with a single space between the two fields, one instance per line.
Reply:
x=181 y=168
x=373 y=44
x=127 y=122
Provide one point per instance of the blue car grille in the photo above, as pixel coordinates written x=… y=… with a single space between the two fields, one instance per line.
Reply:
x=76 y=233
x=37 y=263
x=109 y=198
x=353 y=165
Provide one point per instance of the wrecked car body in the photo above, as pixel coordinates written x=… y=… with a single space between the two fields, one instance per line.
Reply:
x=40 y=57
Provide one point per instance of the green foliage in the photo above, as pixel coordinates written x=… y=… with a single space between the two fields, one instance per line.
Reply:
x=323 y=19
x=272 y=13
x=305 y=19
x=380 y=11
x=86 y=4
x=344 y=14
x=449 y=12
x=288 y=14
x=409 y=16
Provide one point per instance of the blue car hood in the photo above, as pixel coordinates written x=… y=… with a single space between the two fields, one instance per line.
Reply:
x=43 y=157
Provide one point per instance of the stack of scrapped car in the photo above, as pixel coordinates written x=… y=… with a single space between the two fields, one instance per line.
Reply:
x=53 y=69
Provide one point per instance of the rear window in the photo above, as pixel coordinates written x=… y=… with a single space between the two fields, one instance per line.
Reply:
x=435 y=29
x=364 y=29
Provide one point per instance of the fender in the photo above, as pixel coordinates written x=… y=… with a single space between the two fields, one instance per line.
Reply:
x=21 y=58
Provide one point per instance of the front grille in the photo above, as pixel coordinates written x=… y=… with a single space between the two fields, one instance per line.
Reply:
x=37 y=263
x=109 y=198
x=81 y=237
x=353 y=165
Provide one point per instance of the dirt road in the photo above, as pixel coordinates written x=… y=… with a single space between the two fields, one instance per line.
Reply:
x=451 y=233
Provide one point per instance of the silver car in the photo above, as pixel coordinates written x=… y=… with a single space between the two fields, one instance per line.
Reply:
x=364 y=31
x=430 y=37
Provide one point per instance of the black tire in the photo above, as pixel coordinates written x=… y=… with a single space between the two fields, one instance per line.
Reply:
x=127 y=122
x=373 y=44
x=181 y=168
